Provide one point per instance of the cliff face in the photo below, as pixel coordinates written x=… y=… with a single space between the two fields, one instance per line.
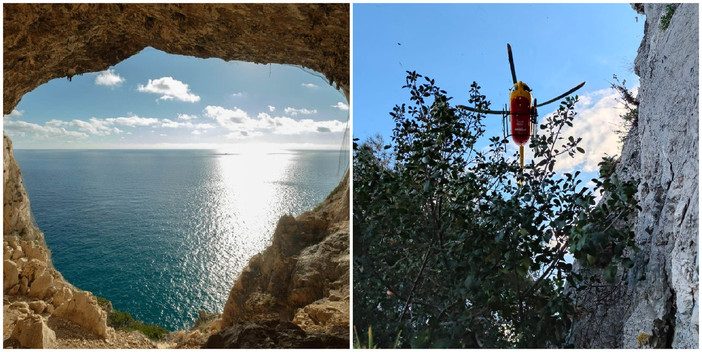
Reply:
x=301 y=278
x=659 y=295
x=16 y=214
x=34 y=293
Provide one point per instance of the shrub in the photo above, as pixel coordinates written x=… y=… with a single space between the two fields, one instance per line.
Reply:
x=124 y=321
x=665 y=19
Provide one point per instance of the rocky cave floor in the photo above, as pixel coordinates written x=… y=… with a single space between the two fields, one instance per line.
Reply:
x=73 y=336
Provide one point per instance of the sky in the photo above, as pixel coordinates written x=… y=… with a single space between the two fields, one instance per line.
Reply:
x=555 y=47
x=158 y=100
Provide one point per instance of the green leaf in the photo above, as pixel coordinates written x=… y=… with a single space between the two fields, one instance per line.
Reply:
x=610 y=273
x=591 y=259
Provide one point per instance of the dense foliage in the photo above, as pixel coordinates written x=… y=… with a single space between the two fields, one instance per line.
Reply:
x=124 y=321
x=665 y=19
x=455 y=247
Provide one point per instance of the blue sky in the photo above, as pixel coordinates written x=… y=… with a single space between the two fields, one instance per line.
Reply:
x=158 y=100
x=555 y=47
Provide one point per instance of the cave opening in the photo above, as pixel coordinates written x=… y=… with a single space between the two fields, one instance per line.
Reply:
x=313 y=38
x=167 y=170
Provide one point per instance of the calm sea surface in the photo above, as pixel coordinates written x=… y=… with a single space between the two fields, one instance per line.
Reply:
x=164 y=233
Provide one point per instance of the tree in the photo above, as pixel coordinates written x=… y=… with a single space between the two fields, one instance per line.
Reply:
x=455 y=246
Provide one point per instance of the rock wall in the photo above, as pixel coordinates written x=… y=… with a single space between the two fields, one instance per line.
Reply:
x=656 y=304
x=33 y=291
x=303 y=276
x=16 y=213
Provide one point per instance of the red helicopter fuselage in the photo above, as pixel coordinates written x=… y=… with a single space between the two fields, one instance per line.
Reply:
x=520 y=111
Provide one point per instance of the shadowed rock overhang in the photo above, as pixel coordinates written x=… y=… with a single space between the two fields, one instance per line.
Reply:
x=46 y=41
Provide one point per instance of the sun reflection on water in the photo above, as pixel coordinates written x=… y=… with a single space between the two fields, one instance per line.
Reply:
x=248 y=196
x=251 y=192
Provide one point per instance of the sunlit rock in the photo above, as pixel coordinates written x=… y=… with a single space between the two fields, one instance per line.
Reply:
x=32 y=332
x=83 y=310
x=10 y=274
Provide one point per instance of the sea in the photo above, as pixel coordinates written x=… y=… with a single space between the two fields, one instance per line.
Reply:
x=164 y=234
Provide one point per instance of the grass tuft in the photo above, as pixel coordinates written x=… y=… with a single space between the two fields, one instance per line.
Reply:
x=124 y=321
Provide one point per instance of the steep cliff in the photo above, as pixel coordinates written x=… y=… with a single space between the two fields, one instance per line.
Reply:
x=303 y=276
x=655 y=303
x=34 y=293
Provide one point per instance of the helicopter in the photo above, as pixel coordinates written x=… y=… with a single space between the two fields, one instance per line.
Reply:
x=522 y=112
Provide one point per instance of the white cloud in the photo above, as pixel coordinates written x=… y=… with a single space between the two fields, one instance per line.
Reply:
x=186 y=117
x=108 y=78
x=271 y=108
x=79 y=128
x=132 y=121
x=596 y=122
x=196 y=133
x=242 y=135
x=289 y=126
x=239 y=122
x=169 y=89
x=238 y=94
x=93 y=126
x=176 y=124
x=234 y=120
x=294 y=112
x=341 y=106
x=310 y=85
x=14 y=113
x=21 y=128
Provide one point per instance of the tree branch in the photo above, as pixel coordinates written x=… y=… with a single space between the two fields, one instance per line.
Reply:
x=416 y=281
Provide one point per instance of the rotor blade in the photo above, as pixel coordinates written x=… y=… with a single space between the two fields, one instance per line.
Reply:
x=511 y=64
x=496 y=112
x=562 y=95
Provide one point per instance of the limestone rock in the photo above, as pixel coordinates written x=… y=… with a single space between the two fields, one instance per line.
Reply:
x=62 y=295
x=17 y=253
x=10 y=275
x=83 y=310
x=24 y=286
x=20 y=306
x=7 y=251
x=17 y=217
x=324 y=316
x=41 y=285
x=272 y=334
x=307 y=261
x=37 y=306
x=32 y=332
x=33 y=269
x=33 y=250
x=659 y=295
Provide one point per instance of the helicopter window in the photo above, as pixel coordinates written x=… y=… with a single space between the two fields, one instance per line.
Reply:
x=526 y=87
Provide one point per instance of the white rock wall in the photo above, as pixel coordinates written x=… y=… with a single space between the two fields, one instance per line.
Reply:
x=659 y=295
x=668 y=67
